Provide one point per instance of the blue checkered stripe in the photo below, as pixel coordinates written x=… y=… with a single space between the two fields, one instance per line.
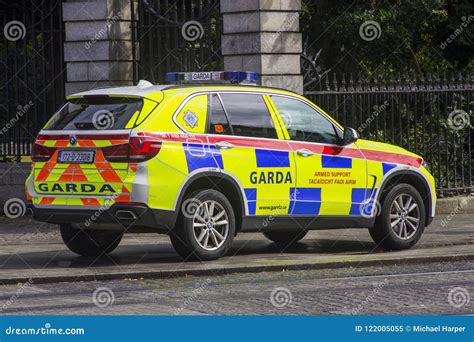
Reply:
x=363 y=200
x=305 y=201
x=200 y=156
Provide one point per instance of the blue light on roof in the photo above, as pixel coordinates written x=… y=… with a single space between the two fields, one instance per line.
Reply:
x=213 y=77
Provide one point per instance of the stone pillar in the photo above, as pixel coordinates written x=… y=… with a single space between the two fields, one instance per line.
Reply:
x=98 y=44
x=263 y=36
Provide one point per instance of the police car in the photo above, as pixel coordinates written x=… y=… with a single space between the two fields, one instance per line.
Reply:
x=211 y=155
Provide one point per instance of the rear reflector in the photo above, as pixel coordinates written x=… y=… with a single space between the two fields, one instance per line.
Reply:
x=138 y=150
x=40 y=153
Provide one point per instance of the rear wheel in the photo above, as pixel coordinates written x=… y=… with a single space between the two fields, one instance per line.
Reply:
x=90 y=242
x=402 y=218
x=206 y=227
x=285 y=237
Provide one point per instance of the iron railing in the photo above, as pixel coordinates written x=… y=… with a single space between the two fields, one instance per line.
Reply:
x=429 y=115
x=179 y=35
x=32 y=71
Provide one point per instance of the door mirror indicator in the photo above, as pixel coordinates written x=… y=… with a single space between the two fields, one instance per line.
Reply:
x=350 y=136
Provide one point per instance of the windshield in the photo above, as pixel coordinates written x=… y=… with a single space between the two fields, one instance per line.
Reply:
x=96 y=113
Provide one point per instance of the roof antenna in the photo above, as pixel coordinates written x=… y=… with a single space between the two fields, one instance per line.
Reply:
x=144 y=84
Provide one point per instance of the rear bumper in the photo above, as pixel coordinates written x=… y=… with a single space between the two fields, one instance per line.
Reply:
x=120 y=217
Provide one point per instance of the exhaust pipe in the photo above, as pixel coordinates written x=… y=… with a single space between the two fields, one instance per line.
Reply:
x=125 y=215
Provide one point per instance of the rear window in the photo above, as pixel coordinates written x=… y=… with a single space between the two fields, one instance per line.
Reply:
x=97 y=113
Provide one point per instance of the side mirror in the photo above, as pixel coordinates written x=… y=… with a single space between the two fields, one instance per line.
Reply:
x=350 y=136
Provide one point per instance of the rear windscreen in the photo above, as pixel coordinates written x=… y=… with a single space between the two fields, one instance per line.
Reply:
x=96 y=113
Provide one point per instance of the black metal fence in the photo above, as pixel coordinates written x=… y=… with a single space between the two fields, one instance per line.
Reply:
x=32 y=71
x=429 y=115
x=179 y=35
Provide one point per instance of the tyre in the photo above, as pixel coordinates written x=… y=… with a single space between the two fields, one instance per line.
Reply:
x=205 y=228
x=402 y=218
x=90 y=242
x=285 y=237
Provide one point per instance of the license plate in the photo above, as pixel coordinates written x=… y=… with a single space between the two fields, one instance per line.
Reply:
x=80 y=157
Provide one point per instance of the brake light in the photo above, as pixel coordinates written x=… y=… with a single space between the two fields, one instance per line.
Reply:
x=40 y=153
x=137 y=150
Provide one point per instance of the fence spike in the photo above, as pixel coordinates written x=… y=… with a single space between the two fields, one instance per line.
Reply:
x=376 y=83
x=334 y=81
x=399 y=82
x=326 y=81
x=460 y=81
x=429 y=81
x=351 y=82
x=359 y=84
x=444 y=84
x=343 y=82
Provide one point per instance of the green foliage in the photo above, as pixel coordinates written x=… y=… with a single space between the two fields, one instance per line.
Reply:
x=413 y=36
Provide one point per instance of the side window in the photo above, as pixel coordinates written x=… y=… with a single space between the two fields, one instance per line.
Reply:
x=218 y=119
x=248 y=115
x=192 y=117
x=305 y=123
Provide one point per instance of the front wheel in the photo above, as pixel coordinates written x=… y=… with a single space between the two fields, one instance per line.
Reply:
x=90 y=242
x=206 y=226
x=402 y=218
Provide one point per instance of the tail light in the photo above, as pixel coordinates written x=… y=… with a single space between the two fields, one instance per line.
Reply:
x=138 y=149
x=40 y=153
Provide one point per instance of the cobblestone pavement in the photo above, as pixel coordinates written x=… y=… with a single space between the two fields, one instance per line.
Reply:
x=434 y=288
x=30 y=249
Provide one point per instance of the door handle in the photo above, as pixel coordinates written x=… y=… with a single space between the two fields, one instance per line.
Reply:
x=305 y=153
x=224 y=145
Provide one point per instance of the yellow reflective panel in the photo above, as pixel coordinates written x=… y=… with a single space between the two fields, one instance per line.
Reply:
x=192 y=117
x=147 y=109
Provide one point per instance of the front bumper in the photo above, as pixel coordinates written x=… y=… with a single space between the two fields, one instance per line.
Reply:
x=118 y=216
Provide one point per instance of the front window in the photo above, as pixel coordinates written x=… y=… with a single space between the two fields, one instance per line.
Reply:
x=304 y=123
x=97 y=113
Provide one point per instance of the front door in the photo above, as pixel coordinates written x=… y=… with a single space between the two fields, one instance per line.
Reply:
x=331 y=179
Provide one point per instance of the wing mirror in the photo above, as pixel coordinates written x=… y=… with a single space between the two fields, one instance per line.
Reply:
x=350 y=136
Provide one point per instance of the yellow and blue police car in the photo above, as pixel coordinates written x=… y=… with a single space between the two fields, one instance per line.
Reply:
x=211 y=155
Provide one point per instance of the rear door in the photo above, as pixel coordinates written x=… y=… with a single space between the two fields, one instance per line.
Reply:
x=250 y=143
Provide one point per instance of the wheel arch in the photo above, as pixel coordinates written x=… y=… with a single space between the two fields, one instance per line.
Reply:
x=221 y=182
x=413 y=178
